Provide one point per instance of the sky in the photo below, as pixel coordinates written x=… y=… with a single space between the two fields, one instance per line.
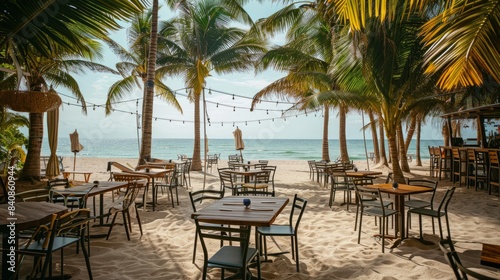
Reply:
x=226 y=112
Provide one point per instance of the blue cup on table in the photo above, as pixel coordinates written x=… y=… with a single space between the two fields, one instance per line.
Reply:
x=395 y=185
x=247 y=202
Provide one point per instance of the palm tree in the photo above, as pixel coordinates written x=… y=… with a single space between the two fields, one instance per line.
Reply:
x=203 y=42
x=11 y=140
x=307 y=57
x=134 y=69
x=32 y=32
x=461 y=38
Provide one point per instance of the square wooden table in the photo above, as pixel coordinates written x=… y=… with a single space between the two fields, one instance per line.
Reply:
x=153 y=174
x=230 y=210
x=399 y=201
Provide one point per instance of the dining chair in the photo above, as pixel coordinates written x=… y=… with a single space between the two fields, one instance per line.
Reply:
x=367 y=201
x=272 y=169
x=131 y=177
x=371 y=204
x=312 y=168
x=33 y=195
x=171 y=182
x=340 y=182
x=459 y=270
x=260 y=181
x=422 y=203
x=481 y=162
x=227 y=180
x=439 y=212
x=62 y=183
x=237 y=257
x=459 y=165
x=197 y=198
x=290 y=229
x=123 y=206
x=61 y=232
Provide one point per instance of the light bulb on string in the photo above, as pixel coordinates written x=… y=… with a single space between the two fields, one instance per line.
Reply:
x=234 y=109
x=246 y=123
x=156 y=119
x=217 y=105
x=222 y=123
x=267 y=112
x=233 y=96
x=233 y=124
x=94 y=107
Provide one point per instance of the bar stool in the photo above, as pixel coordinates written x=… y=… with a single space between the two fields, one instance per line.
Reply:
x=481 y=173
x=459 y=165
x=494 y=170
x=434 y=160
x=445 y=161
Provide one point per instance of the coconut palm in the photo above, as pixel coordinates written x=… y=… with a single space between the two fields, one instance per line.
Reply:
x=462 y=37
x=11 y=140
x=134 y=65
x=307 y=58
x=202 y=43
x=36 y=32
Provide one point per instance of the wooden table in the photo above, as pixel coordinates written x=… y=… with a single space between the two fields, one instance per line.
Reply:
x=102 y=188
x=25 y=216
x=86 y=174
x=153 y=174
x=490 y=255
x=399 y=201
x=230 y=210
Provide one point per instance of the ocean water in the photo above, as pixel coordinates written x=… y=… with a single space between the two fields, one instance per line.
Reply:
x=291 y=149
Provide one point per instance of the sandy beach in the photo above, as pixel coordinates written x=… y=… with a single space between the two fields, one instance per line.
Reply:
x=327 y=240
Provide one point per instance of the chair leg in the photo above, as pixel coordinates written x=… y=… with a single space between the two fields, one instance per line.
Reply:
x=86 y=255
x=138 y=219
x=420 y=226
x=297 y=253
x=360 y=222
x=440 y=228
x=448 y=226
x=382 y=226
x=111 y=225
x=125 y=224
x=195 y=243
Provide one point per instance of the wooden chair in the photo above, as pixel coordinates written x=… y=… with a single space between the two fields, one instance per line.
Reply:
x=142 y=180
x=291 y=229
x=230 y=257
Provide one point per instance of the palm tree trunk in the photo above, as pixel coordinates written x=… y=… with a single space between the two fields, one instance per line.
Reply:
x=402 y=150
x=31 y=169
x=383 y=156
x=411 y=131
x=147 y=113
x=325 y=151
x=196 y=164
x=373 y=128
x=344 y=154
x=417 y=144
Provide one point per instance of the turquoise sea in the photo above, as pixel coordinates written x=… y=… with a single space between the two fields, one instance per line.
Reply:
x=285 y=149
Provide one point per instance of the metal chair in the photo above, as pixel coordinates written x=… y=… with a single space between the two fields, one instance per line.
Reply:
x=197 y=198
x=291 y=229
x=123 y=206
x=234 y=258
x=441 y=211
x=371 y=204
x=494 y=170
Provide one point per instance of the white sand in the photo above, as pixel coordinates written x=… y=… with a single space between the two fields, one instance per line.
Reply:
x=327 y=240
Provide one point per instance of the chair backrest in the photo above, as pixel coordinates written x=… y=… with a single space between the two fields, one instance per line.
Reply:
x=298 y=208
x=239 y=235
x=73 y=223
x=33 y=195
x=494 y=156
x=198 y=197
x=272 y=169
x=365 y=194
x=44 y=234
x=445 y=201
x=424 y=183
x=131 y=194
x=363 y=181
x=58 y=182
x=226 y=178
x=81 y=196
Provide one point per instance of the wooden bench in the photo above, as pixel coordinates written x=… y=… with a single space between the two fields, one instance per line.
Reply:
x=86 y=174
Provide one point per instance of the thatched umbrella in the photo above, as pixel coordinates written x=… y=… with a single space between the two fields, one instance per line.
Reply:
x=30 y=101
